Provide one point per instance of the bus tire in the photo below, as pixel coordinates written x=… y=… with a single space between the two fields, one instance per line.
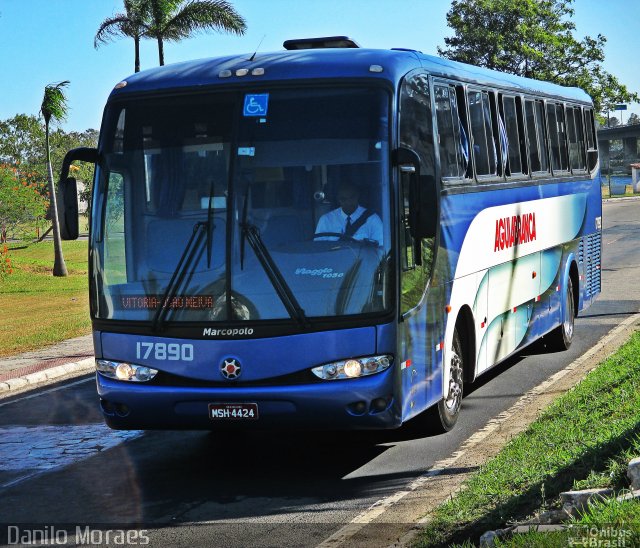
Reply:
x=561 y=337
x=449 y=406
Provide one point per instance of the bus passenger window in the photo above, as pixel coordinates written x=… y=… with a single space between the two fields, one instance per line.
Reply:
x=553 y=137
x=513 y=135
x=562 y=137
x=491 y=143
x=537 y=136
x=484 y=148
x=534 y=146
x=592 y=143
x=590 y=130
x=542 y=137
x=503 y=145
x=454 y=148
x=575 y=135
x=555 y=117
x=577 y=115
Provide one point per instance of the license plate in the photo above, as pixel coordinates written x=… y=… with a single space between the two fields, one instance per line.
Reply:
x=233 y=411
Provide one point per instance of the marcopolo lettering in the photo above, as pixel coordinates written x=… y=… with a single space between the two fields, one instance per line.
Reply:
x=514 y=231
x=238 y=332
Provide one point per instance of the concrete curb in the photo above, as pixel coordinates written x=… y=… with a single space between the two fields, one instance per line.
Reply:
x=48 y=376
x=621 y=198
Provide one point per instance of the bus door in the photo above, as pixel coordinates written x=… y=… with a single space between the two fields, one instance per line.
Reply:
x=420 y=303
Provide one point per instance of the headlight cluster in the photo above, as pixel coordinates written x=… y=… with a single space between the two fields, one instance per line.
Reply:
x=124 y=371
x=353 y=368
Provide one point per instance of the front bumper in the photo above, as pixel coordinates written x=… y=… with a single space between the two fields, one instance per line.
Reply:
x=354 y=404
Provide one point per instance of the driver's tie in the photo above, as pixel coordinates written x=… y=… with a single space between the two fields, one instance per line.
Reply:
x=347 y=227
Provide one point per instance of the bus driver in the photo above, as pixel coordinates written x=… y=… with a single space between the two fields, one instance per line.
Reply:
x=350 y=219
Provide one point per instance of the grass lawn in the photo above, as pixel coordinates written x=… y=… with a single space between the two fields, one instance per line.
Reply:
x=37 y=308
x=583 y=440
x=627 y=194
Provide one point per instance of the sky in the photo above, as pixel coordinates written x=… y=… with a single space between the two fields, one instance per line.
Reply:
x=48 y=41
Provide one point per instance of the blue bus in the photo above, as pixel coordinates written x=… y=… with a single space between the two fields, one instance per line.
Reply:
x=229 y=289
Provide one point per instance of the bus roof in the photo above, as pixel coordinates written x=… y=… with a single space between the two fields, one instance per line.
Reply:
x=311 y=64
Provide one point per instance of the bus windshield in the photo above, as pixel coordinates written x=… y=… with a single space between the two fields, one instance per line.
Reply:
x=243 y=206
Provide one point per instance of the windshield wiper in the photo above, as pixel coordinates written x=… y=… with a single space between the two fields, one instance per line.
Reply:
x=189 y=253
x=252 y=235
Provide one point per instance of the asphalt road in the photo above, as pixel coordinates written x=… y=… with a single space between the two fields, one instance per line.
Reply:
x=61 y=468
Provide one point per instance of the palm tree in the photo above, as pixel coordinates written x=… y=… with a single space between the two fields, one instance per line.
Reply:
x=54 y=108
x=130 y=24
x=175 y=20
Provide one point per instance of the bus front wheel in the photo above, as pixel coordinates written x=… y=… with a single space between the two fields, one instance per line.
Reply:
x=449 y=406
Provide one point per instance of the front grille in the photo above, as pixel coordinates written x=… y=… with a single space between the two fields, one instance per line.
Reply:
x=167 y=379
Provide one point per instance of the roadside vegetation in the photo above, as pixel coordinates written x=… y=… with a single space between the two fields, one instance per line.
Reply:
x=583 y=440
x=628 y=192
x=39 y=309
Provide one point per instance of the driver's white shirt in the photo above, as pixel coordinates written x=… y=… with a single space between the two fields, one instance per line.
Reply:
x=335 y=222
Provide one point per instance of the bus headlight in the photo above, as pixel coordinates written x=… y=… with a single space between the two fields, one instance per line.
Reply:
x=353 y=368
x=124 y=371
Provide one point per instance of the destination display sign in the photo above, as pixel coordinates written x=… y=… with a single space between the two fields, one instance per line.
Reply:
x=178 y=302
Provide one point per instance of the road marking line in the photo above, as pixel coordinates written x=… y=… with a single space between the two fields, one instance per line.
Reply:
x=20 y=479
x=612 y=241
x=47 y=391
x=374 y=511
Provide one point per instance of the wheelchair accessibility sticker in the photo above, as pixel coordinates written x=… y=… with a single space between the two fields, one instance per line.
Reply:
x=256 y=104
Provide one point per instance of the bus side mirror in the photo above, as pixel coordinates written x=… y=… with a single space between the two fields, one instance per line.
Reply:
x=429 y=215
x=68 y=217
x=67 y=192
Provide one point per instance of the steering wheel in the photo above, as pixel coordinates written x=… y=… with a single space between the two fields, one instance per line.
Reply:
x=344 y=238
x=334 y=235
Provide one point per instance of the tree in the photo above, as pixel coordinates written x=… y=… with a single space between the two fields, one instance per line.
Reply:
x=130 y=24
x=532 y=38
x=171 y=20
x=21 y=149
x=53 y=109
x=634 y=118
x=174 y=20
x=21 y=141
x=21 y=200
